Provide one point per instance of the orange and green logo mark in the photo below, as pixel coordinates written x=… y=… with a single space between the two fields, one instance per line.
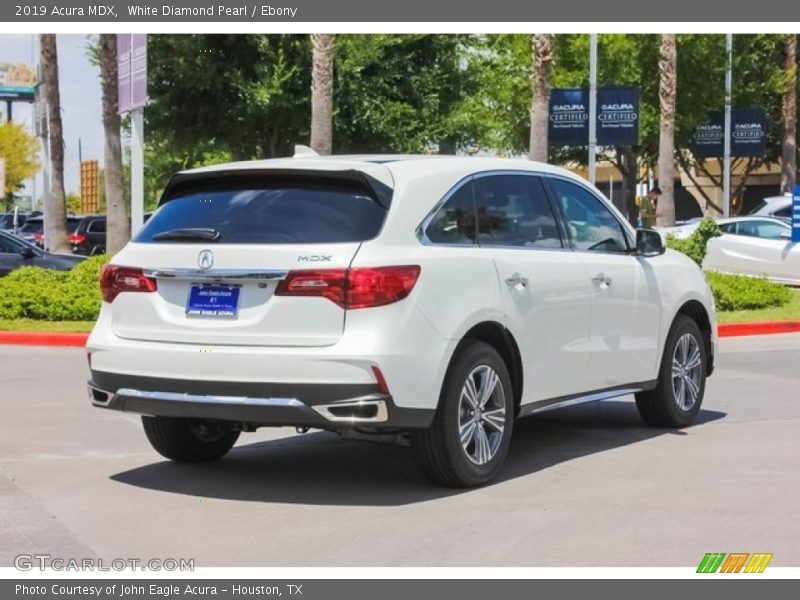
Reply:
x=736 y=562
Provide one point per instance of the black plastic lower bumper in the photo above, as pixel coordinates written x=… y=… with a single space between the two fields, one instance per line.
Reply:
x=255 y=403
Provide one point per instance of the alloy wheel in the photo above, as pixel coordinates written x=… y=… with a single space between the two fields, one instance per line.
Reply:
x=482 y=414
x=686 y=376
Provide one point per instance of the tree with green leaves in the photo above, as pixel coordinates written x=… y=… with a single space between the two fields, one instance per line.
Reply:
x=20 y=151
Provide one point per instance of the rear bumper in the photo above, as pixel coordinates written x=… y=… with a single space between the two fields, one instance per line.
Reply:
x=330 y=406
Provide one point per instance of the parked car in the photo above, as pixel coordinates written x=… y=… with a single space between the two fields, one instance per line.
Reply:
x=443 y=297
x=33 y=230
x=756 y=246
x=88 y=235
x=11 y=223
x=774 y=206
x=15 y=253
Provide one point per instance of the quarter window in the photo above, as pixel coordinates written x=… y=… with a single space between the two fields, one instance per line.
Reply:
x=98 y=226
x=513 y=210
x=591 y=224
x=454 y=223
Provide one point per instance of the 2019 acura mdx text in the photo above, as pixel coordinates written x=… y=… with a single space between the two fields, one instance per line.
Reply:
x=433 y=298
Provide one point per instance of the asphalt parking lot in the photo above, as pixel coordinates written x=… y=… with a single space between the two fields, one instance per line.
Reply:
x=588 y=485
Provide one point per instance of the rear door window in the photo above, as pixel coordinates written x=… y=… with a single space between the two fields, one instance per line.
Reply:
x=287 y=213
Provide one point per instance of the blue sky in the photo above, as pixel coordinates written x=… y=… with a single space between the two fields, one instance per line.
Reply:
x=80 y=99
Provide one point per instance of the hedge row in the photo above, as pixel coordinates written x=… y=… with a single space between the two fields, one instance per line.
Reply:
x=36 y=293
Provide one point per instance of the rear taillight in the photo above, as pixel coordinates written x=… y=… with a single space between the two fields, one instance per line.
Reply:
x=114 y=280
x=77 y=238
x=352 y=288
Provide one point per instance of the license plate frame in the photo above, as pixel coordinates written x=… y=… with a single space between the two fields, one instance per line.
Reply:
x=214 y=300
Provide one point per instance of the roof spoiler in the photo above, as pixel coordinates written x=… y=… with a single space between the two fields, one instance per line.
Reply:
x=301 y=151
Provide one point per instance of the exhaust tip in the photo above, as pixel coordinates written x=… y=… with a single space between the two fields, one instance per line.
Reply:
x=98 y=396
x=355 y=411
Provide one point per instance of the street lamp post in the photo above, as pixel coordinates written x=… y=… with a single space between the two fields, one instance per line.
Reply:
x=726 y=176
x=592 y=108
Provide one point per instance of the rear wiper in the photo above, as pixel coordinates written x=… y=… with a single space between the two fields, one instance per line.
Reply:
x=205 y=234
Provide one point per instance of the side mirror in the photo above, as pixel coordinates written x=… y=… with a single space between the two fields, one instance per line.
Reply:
x=786 y=236
x=649 y=243
x=27 y=252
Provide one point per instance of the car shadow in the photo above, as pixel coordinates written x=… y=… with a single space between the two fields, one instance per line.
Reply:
x=321 y=469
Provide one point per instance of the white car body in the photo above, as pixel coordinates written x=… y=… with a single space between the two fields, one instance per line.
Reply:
x=773 y=206
x=580 y=325
x=752 y=245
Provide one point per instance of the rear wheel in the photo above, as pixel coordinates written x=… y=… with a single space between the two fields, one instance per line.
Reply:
x=681 y=385
x=468 y=441
x=189 y=440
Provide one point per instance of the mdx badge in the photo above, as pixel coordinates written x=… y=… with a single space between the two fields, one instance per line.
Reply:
x=315 y=258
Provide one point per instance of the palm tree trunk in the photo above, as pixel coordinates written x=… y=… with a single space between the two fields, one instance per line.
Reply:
x=322 y=92
x=668 y=80
x=118 y=228
x=55 y=216
x=789 y=110
x=541 y=82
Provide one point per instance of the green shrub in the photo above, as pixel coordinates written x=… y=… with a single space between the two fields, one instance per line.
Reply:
x=36 y=293
x=694 y=246
x=739 y=292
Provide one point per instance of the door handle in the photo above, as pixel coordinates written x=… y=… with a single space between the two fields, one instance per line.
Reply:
x=601 y=279
x=517 y=279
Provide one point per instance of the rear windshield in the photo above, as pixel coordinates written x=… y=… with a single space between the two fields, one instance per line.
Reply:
x=33 y=226
x=284 y=214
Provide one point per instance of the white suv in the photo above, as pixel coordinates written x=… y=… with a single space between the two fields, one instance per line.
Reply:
x=439 y=298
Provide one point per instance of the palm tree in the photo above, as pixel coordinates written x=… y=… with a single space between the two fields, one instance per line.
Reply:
x=322 y=92
x=118 y=228
x=789 y=109
x=541 y=82
x=54 y=205
x=668 y=87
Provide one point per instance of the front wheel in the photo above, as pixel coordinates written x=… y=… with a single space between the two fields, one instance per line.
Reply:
x=189 y=440
x=677 y=397
x=468 y=441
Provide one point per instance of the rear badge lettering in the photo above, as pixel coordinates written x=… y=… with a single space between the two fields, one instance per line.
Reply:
x=315 y=258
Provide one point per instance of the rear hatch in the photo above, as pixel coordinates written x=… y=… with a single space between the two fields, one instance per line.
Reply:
x=220 y=245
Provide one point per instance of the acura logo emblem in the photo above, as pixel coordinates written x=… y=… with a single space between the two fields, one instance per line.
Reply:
x=205 y=260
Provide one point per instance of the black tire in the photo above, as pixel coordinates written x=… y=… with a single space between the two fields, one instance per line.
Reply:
x=661 y=407
x=189 y=440
x=439 y=451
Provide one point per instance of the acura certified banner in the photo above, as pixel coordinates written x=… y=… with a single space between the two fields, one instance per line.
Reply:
x=569 y=117
x=617 y=116
x=748 y=134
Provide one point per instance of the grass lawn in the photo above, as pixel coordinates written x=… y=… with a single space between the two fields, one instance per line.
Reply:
x=787 y=312
x=50 y=326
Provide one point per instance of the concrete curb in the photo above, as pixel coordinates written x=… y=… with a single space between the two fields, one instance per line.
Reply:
x=41 y=338
x=757 y=328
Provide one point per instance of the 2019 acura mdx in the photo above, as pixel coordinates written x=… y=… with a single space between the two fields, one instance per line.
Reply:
x=437 y=297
